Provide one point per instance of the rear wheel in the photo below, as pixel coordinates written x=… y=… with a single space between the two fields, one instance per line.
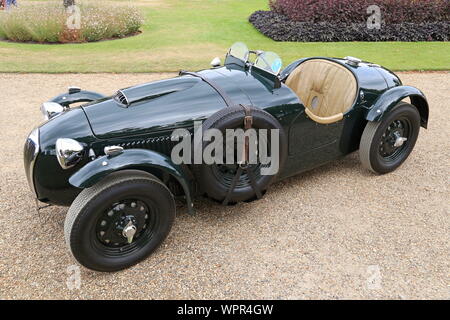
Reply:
x=119 y=221
x=385 y=145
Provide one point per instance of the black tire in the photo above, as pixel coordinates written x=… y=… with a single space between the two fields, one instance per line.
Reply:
x=377 y=151
x=94 y=204
x=210 y=179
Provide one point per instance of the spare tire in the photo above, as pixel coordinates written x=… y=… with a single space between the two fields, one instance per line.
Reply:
x=216 y=180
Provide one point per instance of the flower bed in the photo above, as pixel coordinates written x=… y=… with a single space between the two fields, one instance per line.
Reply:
x=50 y=22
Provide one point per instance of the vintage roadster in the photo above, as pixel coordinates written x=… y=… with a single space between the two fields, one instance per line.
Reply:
x=109 y=158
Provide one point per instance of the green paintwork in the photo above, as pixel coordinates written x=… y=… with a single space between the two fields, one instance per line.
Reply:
x=188 y=103
x=144 y=125
x=137 y=159
x=51 y=181
x=158 y=89
x=66 y=99
x=392 y=97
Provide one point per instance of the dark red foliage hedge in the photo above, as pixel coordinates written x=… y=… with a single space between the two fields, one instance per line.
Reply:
x=355 y=11
x=280 y=28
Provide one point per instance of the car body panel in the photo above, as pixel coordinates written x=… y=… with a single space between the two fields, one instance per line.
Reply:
x=137 y=159
x=66 y=99
x=51 y=181
x=315 y=143
x=181 y=107
x=156 y=89
x=143 y=125
x=392 y=97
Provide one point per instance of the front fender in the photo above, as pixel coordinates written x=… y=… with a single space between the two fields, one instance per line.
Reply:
x=392 y=97
x=137 y=159
x=66 y=99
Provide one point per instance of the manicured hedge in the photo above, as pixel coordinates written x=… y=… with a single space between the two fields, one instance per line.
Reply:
x=281 y=28
x=355 y=11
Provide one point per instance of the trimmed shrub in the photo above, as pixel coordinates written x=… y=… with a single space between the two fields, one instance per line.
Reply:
x=281 y=28
x=46 y=22
x=355 y=11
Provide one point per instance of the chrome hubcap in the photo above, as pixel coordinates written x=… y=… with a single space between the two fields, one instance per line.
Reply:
x=393 y=139
x=129 y=231
x=123 y=223
x=399 y=141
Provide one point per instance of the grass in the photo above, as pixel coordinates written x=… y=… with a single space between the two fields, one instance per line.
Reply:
x=181 y=34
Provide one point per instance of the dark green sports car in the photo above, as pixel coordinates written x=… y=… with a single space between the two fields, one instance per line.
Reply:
x=227 y=133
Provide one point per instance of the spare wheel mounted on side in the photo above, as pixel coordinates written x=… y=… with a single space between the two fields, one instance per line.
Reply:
x=231 y=183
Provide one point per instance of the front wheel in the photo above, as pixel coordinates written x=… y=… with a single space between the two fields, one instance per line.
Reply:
x=385 y=145
x=119 y=221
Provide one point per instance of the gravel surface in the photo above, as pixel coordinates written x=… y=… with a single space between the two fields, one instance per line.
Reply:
x=335 y=232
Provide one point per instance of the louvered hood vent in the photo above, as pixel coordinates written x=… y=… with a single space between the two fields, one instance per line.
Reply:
x=121 y=98
x=152 y=90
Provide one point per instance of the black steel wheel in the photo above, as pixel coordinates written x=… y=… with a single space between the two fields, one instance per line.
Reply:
x=119 y=221
x=395 y=139
x=385 y=145
x=112 y=226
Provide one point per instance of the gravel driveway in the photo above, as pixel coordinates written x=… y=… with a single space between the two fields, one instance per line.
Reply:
x=335 y=232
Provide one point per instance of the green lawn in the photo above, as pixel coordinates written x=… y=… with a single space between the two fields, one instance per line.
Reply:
x=188 y=34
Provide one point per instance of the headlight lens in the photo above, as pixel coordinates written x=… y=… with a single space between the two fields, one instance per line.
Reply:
x=69 y=152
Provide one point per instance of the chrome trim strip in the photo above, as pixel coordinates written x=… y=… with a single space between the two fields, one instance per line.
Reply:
x=112 y=151
x=34 y=138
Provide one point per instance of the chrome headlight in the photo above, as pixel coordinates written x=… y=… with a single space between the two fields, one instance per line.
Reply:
x=69 y=152
x=51 y=109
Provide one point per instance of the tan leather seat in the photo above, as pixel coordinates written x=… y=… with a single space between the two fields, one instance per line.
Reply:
x=327 y=89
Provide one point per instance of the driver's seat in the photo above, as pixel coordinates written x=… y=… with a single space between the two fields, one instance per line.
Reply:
x=326 y=88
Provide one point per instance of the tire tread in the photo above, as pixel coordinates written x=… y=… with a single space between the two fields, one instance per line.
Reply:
x=82 y=201
x=367 y=138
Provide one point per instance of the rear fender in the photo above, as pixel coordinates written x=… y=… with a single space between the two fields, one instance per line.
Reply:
x=135 y=159
x=388 y=100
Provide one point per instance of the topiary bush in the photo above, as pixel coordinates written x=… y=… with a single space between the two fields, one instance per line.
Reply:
x=354 y=11
x=47 y=22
